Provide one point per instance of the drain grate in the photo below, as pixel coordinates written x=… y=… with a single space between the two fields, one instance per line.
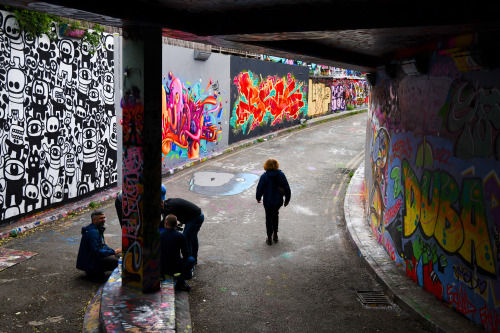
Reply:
x=346 y=171
x=373 y=298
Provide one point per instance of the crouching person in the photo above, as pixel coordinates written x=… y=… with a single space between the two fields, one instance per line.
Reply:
x=94 y=256
x=173 y=244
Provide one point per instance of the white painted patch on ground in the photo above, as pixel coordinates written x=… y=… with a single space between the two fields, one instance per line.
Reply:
x=303 y=210
x=210 y=178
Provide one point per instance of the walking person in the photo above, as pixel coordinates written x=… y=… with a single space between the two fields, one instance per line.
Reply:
x=273 y=185
x=191 y=216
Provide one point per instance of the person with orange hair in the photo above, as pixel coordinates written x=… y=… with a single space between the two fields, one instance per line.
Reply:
x=273 y=186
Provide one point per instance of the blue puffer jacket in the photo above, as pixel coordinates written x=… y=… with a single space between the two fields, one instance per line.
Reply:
x=268 y=187
x=92 y=247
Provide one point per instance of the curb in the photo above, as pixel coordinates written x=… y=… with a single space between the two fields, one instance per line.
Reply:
x=434 y=314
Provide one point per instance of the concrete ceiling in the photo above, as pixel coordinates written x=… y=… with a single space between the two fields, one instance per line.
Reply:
x=358 y=34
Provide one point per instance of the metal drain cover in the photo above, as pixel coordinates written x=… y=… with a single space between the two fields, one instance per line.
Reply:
x=373 y=298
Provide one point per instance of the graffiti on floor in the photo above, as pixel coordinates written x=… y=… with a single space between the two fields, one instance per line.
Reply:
x=221 y=183
x=9 y=257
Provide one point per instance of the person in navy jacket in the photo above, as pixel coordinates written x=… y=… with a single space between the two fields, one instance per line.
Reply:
x=173 y=245
x=94 y=256
x=273 y=186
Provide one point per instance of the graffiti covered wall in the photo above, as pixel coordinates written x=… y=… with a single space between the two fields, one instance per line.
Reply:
x=265 y=97
x=195 y=105
x=433 y=183
x=342 y=92
x=57 y=119
x=319 y=99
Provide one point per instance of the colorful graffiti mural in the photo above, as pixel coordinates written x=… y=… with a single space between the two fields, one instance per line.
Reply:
x=133 y=189
x=434 y=186
x=318 y=99
x=58 y=135
x=266 y=101
x=344 y=92
x=190 y=118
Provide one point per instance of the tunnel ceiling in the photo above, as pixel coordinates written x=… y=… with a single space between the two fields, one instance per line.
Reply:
x=359 y=35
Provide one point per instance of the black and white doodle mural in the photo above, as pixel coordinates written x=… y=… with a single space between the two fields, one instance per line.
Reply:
x=58 y=135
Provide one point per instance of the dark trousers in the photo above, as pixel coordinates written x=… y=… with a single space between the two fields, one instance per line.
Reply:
x=103 y=265
x=272 y=220
x=108 y=263
x=185 y=268
x=191 y=229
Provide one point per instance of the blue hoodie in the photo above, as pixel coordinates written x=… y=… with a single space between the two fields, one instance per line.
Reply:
x=268 y=187
x=92 y=247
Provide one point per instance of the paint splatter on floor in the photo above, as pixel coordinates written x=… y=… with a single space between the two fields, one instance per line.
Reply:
x=9 y=257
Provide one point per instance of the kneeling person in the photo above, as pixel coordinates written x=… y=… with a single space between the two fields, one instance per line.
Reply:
x=173 y=244
x=94 y=256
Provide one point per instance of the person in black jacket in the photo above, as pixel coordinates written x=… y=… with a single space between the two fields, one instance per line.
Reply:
x=173 y=244
x=273 y=185
x=191 y=216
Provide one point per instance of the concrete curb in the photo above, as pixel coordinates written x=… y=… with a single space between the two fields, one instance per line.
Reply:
x=433 y=313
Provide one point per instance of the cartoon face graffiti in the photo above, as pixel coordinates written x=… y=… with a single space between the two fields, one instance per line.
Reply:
x=40 y=94
x=13 y=33
x=16 y=82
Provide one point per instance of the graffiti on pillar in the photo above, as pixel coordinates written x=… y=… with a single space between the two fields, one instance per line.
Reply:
x=133 y=189
x=191 y=117
x=268 y=101
x=474 y=117
x=318 y=99
x=434 y=187
x=58 y=135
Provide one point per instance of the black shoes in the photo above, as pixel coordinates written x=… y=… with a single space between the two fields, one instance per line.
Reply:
x=269 y=241
x=275 y=237
x=182 y=286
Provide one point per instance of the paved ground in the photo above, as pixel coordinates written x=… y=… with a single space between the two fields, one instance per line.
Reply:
x=308 y=282
x=46 y=293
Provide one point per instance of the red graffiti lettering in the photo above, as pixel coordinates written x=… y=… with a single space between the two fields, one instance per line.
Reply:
x=391 y=212
x=459 y=299
x=401 y=149
x=442 y=155
x=271 y=100
x=489 y=319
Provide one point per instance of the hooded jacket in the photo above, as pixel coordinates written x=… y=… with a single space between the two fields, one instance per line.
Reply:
x=92 y=247
x=268 y=188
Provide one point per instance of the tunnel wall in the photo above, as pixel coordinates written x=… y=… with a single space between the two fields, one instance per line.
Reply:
x=196 y=105
x=432 y=181
x=58 y=132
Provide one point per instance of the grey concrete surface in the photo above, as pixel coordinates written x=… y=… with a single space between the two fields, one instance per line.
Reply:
x=433 y=313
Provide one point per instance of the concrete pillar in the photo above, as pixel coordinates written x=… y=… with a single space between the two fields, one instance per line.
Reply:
x=141 y=105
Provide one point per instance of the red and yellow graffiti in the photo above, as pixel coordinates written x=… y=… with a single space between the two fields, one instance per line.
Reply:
x=273 y=99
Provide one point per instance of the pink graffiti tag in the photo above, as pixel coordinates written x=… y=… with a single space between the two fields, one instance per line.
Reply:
x=188 y=117
x=392 y=212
